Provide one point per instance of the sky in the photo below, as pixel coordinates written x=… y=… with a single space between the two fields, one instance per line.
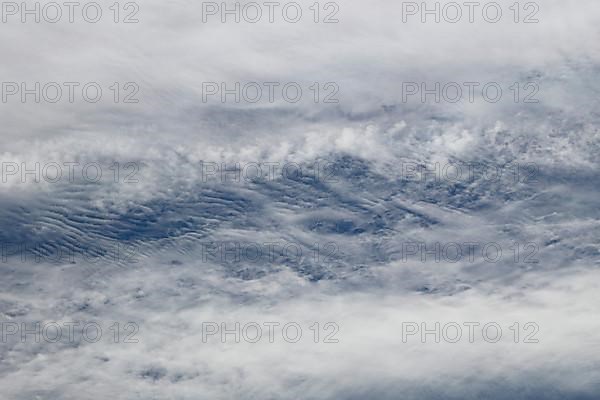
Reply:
x=404 y=202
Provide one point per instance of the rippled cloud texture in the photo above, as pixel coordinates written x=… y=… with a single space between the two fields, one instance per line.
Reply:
x=371 y=208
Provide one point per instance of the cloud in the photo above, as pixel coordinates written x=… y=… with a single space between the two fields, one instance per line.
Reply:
x=376 y=181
